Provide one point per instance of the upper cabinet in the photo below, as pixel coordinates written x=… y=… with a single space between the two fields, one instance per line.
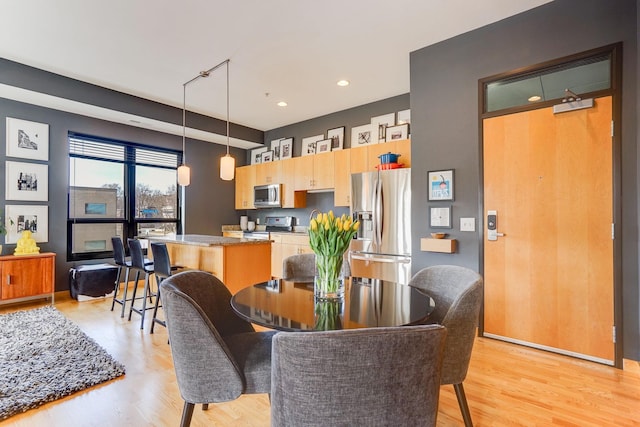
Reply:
x=245 y=180
x=268 y=173
x=326 y=171
x=290 y=197
x=314 y=172
x=342 y=178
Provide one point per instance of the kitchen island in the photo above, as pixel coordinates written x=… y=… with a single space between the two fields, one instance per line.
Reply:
x=237 y=262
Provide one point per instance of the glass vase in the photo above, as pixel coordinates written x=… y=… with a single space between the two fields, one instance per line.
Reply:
x=328 y=314
x=328 y=282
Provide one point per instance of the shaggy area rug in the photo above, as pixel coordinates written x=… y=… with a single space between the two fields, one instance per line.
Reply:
x=44 y=356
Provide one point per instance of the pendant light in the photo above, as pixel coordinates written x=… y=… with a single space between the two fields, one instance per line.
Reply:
x=227 y=162
x=184 y=171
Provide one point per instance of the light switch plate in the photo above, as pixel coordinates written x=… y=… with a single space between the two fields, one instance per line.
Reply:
x=467 y=224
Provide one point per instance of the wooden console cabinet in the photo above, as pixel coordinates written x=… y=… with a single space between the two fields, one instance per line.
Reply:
x=26 y=277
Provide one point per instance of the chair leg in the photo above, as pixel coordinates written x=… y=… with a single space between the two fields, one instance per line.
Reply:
x=205 y=406
x=116 y=288
x=135 y=289
x=124 y=294
x=187 y=413
x=144 y=300
x=154 y=319
x=462 y=402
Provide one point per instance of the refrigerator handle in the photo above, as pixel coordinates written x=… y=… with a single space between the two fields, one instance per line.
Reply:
x=378 y=214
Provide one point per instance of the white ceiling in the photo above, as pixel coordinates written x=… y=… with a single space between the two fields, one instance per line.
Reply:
x=292 y=50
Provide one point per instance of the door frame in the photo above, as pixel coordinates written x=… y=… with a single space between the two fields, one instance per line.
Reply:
x=615 y=91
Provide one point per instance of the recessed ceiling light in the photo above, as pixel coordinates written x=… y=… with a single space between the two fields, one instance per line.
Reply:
x=343 y=82
x=282 y=104
x=534 y=98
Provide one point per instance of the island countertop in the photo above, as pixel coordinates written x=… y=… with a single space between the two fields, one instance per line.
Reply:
x=205 y=240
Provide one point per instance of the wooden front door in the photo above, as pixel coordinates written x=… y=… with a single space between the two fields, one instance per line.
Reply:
x=549 y=279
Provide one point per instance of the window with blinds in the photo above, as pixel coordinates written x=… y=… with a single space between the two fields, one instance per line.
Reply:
x=121 y=189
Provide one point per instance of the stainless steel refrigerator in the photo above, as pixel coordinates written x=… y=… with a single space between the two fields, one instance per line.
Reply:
x=381 y=201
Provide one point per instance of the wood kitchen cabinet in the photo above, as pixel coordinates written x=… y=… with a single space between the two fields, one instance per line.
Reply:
x=284 y=245
x=342 y=178
x=26 y=277
x=326 y=171
x=268 y=173
x=314 y=172
x=290 y=197
x=245 y=180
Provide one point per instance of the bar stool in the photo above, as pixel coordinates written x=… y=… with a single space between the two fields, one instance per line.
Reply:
x=138 y=264
x=162 y=269
x=119 y=258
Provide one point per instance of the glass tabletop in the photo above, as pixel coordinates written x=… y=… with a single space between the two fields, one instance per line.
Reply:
x=290 y=305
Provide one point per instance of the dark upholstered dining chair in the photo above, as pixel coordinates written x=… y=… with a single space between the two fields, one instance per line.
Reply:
x=216 y=355
x=357 y=377
x=457 y=292
x=303 y=266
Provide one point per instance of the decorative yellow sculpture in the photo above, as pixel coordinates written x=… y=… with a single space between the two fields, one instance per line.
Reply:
x=26 y=244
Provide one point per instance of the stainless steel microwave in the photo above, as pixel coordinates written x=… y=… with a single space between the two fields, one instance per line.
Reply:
x=267 y=196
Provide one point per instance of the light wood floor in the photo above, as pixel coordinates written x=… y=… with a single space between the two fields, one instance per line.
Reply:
x=507 y=385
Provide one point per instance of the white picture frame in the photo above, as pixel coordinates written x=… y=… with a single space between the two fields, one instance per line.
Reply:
x=27 y=140
x=256 y=155
x=275 y=147
x=27 y=181
x=360 y=135
x=336 y=135
x=323 y=146
x=403 y=117
x=286 y=148
x=309 y=144
x=32 y=217
x=379 y=126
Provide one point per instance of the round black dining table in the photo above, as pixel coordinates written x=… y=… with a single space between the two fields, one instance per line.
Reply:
x=290 y=305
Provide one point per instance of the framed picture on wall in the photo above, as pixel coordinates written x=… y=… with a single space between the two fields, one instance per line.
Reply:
x=440 y=217
x=336 y=136
x=379 y=126
x=34 y=218
x=275 y=147
x=286 y=148
x=404 y=116
x=323 y=146
x=267 y=156
x=397 y=132
x=27 y=140
x=256 y=155
x=440 y=185
x=27 y=181
x=360 y=135
x=309 y=144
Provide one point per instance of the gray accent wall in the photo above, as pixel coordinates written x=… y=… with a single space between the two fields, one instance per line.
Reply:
x=444 y=96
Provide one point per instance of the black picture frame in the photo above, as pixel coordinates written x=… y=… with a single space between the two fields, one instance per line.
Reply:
x=441 y=185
